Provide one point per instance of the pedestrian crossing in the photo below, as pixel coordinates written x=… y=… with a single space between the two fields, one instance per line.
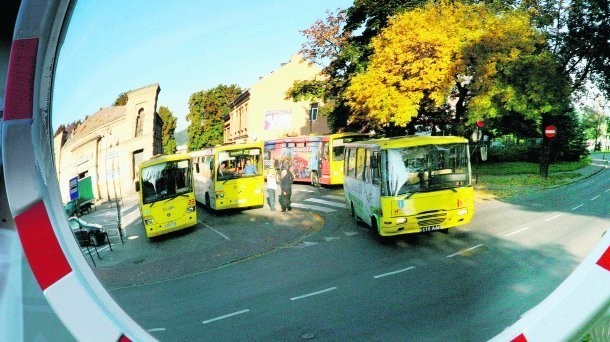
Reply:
x=326 y=204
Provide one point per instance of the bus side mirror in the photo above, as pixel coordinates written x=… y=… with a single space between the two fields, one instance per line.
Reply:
x=137 y=186
x=373 y=162
x=197 y=167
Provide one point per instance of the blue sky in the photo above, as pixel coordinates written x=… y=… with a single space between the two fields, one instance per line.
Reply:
x=115 y=46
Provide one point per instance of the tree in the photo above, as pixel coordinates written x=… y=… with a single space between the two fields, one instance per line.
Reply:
x=578 y=32
x=593 y=123
x=168 y=130
x=207 y=111
x=432 y=53
x=121 y=100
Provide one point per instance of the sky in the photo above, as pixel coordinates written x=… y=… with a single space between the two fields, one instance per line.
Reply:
x=114 y=46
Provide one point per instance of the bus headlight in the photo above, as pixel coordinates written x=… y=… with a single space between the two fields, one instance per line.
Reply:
x=220 y=194
x=401 y=220
x=462 y=212
x=258 y=191
x=190 y=209
x=148 y=221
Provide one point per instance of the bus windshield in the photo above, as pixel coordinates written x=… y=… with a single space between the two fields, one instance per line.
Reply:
x=238 y=163
x=410 y=170
x=166 y=180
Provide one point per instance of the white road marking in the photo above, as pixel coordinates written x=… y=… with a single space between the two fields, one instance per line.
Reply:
x=464 y=251
x=313 y=207
x=330 y=238
x=578 y=206
x=303 y=190
x=394 y=272
x=314 y=293
x=305 y=244
x=217 y=232
x=155 y=329
x=517 y=231
x=225 y=316
x=336 y=198
x=594 y=198
x=350 y=233
x=321 y=201
x=552 y=218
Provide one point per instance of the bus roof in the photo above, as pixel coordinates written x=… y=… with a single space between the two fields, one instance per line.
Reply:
x=164 y=158
x=410 y=140
x=302 y=138
x=208 y=151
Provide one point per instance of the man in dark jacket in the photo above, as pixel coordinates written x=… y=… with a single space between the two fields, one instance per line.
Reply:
x=286 y=178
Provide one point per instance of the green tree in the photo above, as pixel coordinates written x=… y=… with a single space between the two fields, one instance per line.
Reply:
x=121 y=100
x=207 y=111
x=168 y=130
x=593 y=123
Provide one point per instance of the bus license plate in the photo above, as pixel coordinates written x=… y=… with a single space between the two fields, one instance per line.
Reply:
x=430 y=228
x=170 y=225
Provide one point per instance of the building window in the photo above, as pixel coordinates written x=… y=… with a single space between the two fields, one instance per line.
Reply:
x=313 y=112
x=140 y=122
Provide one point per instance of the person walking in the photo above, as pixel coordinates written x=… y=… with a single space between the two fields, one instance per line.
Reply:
x=271 y=188
x=286 y=179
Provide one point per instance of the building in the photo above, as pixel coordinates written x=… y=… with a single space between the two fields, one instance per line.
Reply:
x=109 y=145
x=263 y=112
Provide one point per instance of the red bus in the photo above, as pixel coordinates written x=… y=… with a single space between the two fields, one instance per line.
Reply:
x=316 y=159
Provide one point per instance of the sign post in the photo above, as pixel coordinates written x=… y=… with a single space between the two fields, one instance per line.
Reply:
x=550 y=131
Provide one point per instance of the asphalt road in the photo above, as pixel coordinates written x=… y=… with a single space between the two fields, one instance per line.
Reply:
x=344 y=283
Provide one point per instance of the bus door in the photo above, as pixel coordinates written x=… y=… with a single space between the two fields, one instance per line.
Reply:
x=325 y=162
x=370 y=190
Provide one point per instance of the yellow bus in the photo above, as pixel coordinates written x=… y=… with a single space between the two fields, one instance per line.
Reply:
x=409 y=184
x=229 y=176
x=167 y=198
x=316 y=159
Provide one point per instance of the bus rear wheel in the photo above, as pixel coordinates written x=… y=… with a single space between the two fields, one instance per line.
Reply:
x=315 y=179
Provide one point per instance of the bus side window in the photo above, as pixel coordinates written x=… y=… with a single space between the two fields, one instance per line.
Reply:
x=375 y=172
x=351 y=163
x=360 y=163
x=367 y=166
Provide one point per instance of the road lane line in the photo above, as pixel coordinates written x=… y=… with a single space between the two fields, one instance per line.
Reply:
x=594 y=198
x=464 y=251
x=552 y=218
x=217 y=232
x=394 y=272
x=155 y=329
x=517 y=232
x=578 y=206
x=313 y=207
x=321 y=201
x=314 y=293
x=333 y=197
x=225 y=316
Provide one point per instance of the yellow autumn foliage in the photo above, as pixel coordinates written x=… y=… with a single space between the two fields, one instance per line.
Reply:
x=426 y=50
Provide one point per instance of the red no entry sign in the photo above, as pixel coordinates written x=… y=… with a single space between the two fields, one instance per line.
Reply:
x=550 y=131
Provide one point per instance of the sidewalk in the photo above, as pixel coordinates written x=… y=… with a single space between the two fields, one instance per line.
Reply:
x=218 y=240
